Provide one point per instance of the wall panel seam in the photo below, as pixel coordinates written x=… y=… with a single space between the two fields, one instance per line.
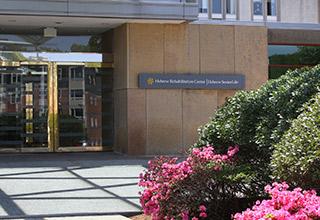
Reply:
x=128 y=53
x=182 y=124
x=199 y=48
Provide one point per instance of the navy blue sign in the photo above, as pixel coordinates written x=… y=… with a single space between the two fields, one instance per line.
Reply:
x=191 y=81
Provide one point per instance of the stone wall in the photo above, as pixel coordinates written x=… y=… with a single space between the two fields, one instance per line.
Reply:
x=165 y=121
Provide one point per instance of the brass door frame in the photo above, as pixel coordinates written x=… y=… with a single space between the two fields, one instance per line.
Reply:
x=53 y=123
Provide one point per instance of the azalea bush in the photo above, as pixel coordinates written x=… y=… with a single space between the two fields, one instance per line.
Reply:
x=284 y=205
x=199 y=187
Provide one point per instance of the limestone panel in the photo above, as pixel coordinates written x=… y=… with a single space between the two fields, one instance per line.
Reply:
x=120 y=121
x=245 y=10
x=181 y=48
x=175 y=41
x=299 y=11
x=146 y=50
x=216 y=49
x=193 y=49
x=120 y=51
x=198 y=107
x=164 y=121
x=251 y=55
x=137 y=124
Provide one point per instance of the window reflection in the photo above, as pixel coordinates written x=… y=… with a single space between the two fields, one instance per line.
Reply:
x=258 y=7
x=284 y=57
x=203 y=6
x=85 y=106
x=216 y=7
x=39 y=43
x=272 y=7
x=231 y=7
x=23 y=107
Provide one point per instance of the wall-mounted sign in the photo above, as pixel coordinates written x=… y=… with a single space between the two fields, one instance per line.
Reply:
x=191 y=81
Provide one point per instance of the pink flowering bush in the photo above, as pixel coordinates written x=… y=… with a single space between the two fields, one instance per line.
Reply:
x=284 y=205
x=194 y=188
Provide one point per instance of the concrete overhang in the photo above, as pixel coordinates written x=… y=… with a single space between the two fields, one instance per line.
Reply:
x=125 y=9
x=21 y=24
x=278 y=32
x=293 y=33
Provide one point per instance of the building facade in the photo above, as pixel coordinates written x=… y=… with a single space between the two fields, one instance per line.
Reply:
x=72 y=71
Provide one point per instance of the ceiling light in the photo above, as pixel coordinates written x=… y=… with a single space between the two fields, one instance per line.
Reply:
x=50 y=32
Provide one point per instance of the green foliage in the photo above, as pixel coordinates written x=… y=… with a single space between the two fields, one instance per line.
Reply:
x=256 y=120
x=296 y=157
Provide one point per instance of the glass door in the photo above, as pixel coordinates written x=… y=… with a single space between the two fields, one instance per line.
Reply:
x=23 y=106
x=49 y=106
x=84 y=107
x=55 y=93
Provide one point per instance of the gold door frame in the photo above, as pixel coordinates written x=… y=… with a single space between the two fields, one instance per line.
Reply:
x=53 y=123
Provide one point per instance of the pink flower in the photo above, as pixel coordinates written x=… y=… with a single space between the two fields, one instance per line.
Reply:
x=284 y=205
x=203 y=215
x=185 y=215
x=202 y=208
x=164 y=173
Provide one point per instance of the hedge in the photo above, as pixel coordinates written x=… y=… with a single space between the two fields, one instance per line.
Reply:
x=256 y=120
x=296 y=158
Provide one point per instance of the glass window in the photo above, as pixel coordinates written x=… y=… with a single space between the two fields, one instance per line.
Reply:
x=12 y=99
x=258 y=7
x=284 y=57
x=77 y=112
x=29 y=87
x=29 y=128
x=29 y=113
x=7 y=79
x=76 y=93
x=86 y=43
x=92 y=122
x=272 y=7
x=29 y=99
x=231 y=6
x=203 y=6
x=216 y=7
x=76 y=72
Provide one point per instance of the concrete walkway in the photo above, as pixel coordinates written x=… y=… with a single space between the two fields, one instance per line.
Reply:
x=37 y=186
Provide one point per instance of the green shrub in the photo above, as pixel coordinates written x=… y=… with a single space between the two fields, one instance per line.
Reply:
x=296 y=158
x=256 y=120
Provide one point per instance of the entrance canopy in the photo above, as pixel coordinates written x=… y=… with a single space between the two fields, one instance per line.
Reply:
x=125 y=9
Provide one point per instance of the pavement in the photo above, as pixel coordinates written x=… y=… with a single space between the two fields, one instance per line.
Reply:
x=69 y=185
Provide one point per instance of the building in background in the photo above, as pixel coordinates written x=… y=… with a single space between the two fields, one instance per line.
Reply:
x=95 y=56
